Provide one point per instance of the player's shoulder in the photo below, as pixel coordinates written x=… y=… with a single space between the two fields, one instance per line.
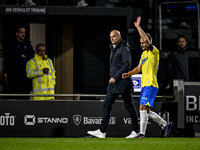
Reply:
x=155 y=49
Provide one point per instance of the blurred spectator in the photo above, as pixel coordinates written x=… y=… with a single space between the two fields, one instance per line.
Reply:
x=25 y=2
x=41 y=70
x=17 y=55
x=176 y=66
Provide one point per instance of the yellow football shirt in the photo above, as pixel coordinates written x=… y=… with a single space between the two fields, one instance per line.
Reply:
x=150 y=62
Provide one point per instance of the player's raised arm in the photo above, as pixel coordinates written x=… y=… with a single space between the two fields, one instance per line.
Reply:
x=141 y=32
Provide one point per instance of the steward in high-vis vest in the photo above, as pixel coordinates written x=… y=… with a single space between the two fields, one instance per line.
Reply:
x=40 y=69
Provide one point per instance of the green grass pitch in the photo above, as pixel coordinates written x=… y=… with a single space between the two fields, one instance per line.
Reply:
x=99 y=144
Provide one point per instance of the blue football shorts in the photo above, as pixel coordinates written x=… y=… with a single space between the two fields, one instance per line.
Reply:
x=148 y=95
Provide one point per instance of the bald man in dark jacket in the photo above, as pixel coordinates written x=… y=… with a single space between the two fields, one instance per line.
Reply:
x=120 y=62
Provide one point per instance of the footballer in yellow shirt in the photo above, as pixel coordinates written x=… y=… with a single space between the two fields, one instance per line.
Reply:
x=148 y=64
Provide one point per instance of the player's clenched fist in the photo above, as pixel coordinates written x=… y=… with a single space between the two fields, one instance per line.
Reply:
x=125 y=75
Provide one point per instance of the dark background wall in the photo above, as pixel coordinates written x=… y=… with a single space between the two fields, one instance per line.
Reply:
x=92 y=52
x=90 y=34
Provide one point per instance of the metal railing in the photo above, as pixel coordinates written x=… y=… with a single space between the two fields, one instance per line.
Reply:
x=78 y=96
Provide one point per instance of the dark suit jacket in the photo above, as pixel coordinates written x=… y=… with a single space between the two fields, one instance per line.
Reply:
x=120 y=62
x=15 y=66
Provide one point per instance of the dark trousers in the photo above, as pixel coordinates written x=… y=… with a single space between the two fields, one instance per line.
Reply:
x=128 y=103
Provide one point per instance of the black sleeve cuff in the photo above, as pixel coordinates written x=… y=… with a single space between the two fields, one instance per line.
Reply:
x=150 y=47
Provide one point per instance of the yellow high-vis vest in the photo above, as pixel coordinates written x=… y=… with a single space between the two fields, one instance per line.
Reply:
x=42 y=83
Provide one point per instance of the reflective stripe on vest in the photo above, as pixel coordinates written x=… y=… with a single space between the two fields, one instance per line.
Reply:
x=39 y=78
x=42 y=90
x=30 y=70
x=52 y=70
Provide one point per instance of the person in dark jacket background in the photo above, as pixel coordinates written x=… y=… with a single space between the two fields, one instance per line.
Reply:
x=176 y=65
x=120 y=62
x=177 y=68
x=17 y=55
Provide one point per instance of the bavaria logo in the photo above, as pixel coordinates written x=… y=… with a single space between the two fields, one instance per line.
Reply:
x=77 y=119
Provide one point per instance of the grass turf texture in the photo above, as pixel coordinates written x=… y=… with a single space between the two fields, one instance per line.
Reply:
x=99 y=144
